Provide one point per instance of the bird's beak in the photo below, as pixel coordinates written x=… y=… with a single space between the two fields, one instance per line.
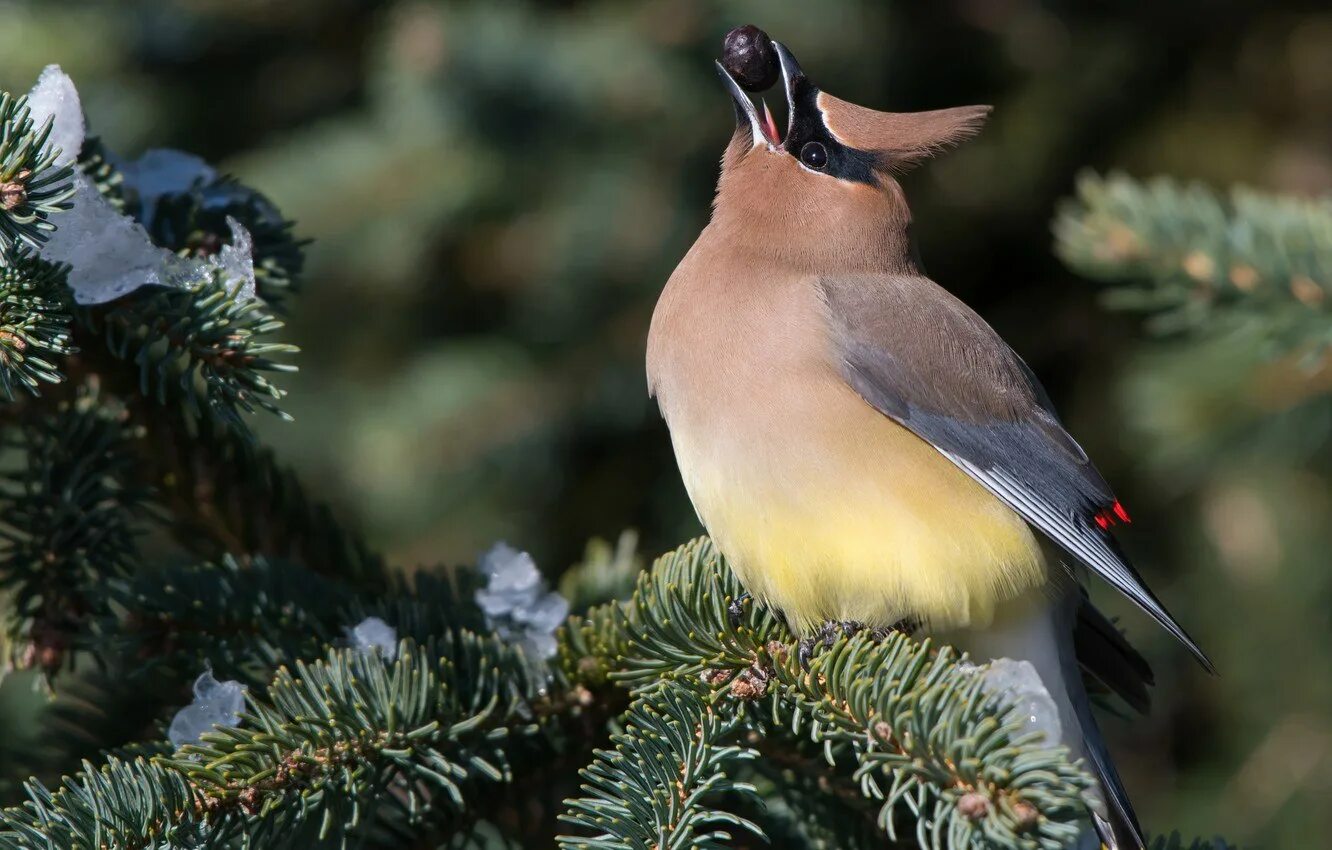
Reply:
x=794 y=82
x=763 y=129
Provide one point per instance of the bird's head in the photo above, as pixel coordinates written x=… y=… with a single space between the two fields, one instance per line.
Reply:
x=828 y=183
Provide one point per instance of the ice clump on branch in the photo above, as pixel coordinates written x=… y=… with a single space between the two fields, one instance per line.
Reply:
x=1018 y=684
x=374 y=635
x=111 y=254
x=516 y=602
x=163 y=171
x=55 y=98
x=215 y=704
x=237 y=260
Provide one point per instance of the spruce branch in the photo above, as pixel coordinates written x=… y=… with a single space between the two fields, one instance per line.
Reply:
x=69 y=502
x=245 y=620
x=121 y=805
x=592 y=646
x=32 y=185
x=325 y=751
x=203 y=346
x=915 y=731
x=91 y=713
x=424 y=603
x=352 y=747
x=807 y=808
x=226 y=494
x=334 y=740
x=1195 y=261
x=606 y=572
x=655 y=788
x=35 y=320
x=811 y=787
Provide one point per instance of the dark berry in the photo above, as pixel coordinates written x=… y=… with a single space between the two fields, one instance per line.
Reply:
x=748 y=56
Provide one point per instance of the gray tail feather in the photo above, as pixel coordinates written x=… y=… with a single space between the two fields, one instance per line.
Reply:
x=1042 y=637
x=1118 y=828
x=1107 y=656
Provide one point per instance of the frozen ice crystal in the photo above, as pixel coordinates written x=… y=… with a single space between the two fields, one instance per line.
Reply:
x=1018 y=684
x=543 y=614
x=110 y=254
x=517 y=603
x=539 y=645
x=215 y=704
x=374 y=635
x=237 y=260
x=54 y=97
x=163 y=171
x=513 y=577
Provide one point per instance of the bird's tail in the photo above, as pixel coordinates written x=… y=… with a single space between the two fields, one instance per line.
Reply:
x=1117 y=827
x=1040 y=631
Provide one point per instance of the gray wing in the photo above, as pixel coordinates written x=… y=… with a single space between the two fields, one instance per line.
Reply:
x=923 y=358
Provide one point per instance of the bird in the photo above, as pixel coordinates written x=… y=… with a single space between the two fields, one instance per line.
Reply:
x=859 y=444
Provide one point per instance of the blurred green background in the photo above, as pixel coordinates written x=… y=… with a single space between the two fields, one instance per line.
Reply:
x=498 y=190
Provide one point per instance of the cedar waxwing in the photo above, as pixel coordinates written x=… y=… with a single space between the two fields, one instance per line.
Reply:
x=862 y=446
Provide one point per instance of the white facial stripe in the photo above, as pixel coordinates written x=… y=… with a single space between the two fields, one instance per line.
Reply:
x=827 y=125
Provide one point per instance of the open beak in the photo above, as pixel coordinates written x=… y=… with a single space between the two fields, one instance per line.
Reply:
x=793 y=80
x=764 y=129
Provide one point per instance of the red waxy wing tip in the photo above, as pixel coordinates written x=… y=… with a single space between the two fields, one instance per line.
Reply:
x=1107 y=517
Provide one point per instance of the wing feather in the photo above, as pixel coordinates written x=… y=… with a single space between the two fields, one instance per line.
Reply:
x=923 y=358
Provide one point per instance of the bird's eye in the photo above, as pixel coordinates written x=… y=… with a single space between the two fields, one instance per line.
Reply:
x=814 y=154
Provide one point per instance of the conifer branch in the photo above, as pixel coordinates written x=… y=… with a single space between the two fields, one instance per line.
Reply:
x=68 y=509
x=32 y=185
x=327 y=750
x=226 y=494
x=202 y=346
x=352 y=746
x=122 y=805
x=35 y=321
x=807 y=806
x=246 y=619
x=1197 y=262
x=913 y=730
x=654 y=788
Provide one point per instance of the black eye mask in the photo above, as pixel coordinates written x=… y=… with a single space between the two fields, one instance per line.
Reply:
x=809 y=141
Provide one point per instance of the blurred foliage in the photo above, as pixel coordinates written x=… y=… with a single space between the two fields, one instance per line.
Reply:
x=498 y=190
x=1258 y=265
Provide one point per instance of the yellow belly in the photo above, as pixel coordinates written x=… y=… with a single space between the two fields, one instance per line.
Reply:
x=835 y=512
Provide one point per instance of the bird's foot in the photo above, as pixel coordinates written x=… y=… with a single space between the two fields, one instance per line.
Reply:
x=805 y=652
x=828 y=633
x=825 y=637
x=832 y=628
x=907 y=626
x=735 y=612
